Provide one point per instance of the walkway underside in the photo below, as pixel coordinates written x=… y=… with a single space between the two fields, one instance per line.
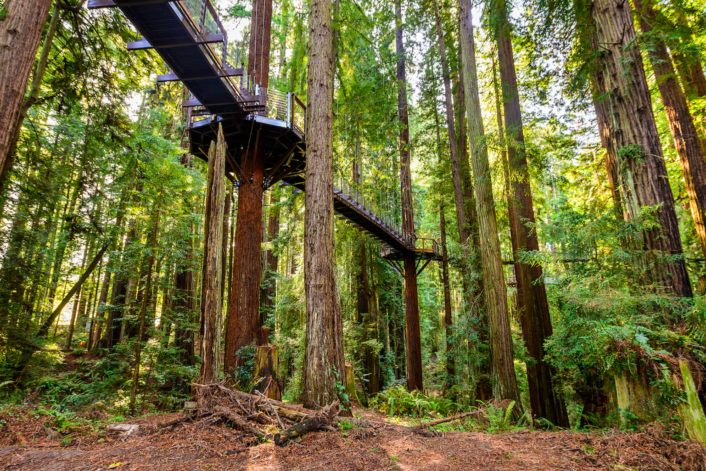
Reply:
x=284 y=151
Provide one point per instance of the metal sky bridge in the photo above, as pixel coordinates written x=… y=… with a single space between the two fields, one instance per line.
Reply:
x=189 y=37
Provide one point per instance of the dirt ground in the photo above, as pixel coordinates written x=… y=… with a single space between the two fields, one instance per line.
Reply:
x=201 y=447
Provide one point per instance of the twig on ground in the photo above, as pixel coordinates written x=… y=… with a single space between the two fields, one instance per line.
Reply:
x=281 y=425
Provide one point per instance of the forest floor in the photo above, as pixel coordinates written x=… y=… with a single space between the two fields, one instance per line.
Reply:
x=26 y=444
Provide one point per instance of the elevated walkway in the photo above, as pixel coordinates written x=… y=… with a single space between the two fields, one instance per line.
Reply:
x=191 y=40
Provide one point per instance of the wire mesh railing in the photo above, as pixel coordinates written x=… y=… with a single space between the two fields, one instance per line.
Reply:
x=376 y=207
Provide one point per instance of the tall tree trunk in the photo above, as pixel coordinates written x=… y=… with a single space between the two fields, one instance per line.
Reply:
x=211 y=345
x=21 y=29
x=640 y=162
x=32 y=96
x=260 y=37
x=681 y=124
x=323 y=359
x=413 y=331
x=448 y=314
x=244 y=301
x=206 y=229
x=494 y=288
x=269 y=286
x=610 y=160
x=225 y=240
x=463 y=229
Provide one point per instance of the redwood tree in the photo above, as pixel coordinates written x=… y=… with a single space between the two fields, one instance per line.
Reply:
x=494 y=289
x=211 y=290
x=531 y=293
x=640 y=166
x=244 y=299
x=413 y=331
x=21 y=26
x=323 y=360
x=681 y=124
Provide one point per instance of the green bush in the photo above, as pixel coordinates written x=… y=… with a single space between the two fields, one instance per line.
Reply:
x=398 y=401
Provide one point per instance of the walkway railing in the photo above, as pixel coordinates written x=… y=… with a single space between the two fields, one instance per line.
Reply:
x=375 y=212
x=204 y=20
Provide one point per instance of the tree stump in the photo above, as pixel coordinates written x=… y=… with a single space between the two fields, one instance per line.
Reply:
x=265 y=374
x=636 y=396
x=691 y=411
x=350 y=384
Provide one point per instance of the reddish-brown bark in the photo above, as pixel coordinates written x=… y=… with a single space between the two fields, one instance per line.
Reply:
x=323 y=360
x=213 y=266
x=681 y=124
x=244 y=302
x=20 y=32
x=260 y=36
x=640 y=162
x=413 y=333
x=534 y=307
x=269 y=286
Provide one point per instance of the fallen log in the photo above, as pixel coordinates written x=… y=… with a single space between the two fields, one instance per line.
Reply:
x=321 y=420
x=298 y=413
x=238 y=421
x=384 y=425
x=299 y=429
x=174 y=422
x=448 y=419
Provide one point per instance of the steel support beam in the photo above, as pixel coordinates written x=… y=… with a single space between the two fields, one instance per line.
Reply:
x=202 y=39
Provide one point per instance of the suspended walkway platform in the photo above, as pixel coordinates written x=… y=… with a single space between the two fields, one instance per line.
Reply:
x=190 y=38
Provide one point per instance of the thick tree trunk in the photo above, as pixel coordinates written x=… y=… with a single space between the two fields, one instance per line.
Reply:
x=602 y=110
x=534 y=310
x=640 y=162
x=206 y=229
x=681 y=124
x=21 y=29
x=213 y=305
x=225 y=240
x=494 y=288
x=413 y=331
x=323 y=365
x=260 y=37
x=32 y=95
x=269 y=288
x=244 y=301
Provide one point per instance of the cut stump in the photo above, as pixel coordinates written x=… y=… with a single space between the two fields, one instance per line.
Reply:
x=266 y=367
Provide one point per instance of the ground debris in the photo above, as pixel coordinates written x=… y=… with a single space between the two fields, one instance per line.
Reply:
x=207 y=441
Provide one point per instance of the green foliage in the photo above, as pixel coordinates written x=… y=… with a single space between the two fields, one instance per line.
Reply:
x=244 y=373
x=341 y=392
x=498 y=418
x=398 y=401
